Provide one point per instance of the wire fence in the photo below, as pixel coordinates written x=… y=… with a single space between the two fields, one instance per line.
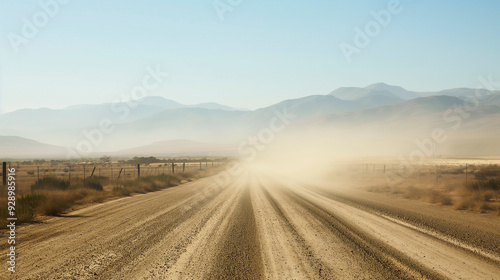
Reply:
x=432 y=174
x=28 y=175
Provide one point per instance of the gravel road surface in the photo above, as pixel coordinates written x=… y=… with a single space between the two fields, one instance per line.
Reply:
x=257 y=226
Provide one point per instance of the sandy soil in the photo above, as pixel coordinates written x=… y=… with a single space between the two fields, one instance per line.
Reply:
x=258 y=226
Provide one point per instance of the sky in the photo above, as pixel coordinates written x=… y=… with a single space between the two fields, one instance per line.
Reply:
x=241 y=53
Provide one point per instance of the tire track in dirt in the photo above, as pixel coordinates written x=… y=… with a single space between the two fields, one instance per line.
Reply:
x=438 y=257
x=320 y=252
x=485 y=235
x=239 y=255
x=198 y=254
x=322 y=271
x=393 y=263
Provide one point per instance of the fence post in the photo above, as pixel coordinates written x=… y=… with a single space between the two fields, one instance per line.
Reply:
x=120 y=173
x=138 y=170
x=466 y=167
x=38 y=176
x=437 y=176
x=183 y=166
x=4 y=173
x=84 y=175
x=173 y=170
x=69 y=176
x=92 y=175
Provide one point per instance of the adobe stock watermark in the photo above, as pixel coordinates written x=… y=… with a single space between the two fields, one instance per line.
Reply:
x=363 y=36
x=454 y=117
x=32 y=26
x=248 y=149
x=222 y=7
x=120 y=109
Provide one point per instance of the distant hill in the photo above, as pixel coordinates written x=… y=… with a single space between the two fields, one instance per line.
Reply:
x=181 y=148
x=317 y=105
x=397 y=128
x=154 y=123
x=17 y=147
x=382 y=89
x=374 y=90
x=215 y=106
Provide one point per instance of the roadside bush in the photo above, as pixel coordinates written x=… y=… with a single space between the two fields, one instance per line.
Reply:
x=414 y=193
x=93 y=184
x=465 y=203
x=488 y=171
x=488 y=196
x=439 y=197
x=50 y=183
x=453 y=171
x=26 y=206
x=121 y=191
x=55 y=202
x=491 y=184
x=87 y=195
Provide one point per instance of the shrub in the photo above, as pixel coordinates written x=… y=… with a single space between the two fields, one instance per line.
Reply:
x=397 y=190
x=484 y=207
x=488 y=195
x=465 y=203
x=55 y=202
x=93 y=184
x=121 y=191
x=414 y=193
x=489 y=171
x=26 y=206
x=459 y=170
x=491 y=184
x=439 y=197
x=50 y=183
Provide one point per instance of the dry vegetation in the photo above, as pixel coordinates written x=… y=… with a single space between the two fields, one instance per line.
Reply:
x=52 y=195
x=445 y=185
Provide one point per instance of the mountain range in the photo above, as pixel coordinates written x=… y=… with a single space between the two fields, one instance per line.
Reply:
x=155 y=125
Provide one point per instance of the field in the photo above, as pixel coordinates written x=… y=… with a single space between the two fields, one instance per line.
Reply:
x=54 y=187
x=461 y=184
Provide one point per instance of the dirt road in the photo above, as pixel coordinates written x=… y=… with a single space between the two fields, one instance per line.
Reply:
x=255 y=226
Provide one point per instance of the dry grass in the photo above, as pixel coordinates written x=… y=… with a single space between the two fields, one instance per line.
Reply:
x=481 y=192
x=53 y=196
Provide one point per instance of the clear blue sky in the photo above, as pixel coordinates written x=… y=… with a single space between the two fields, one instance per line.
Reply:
x=261 y=53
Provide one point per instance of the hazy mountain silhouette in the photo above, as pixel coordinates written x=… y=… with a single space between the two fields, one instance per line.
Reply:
x=153 y=122
x=17 y=147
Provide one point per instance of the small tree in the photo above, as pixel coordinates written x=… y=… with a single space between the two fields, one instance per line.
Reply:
x=105 y=159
